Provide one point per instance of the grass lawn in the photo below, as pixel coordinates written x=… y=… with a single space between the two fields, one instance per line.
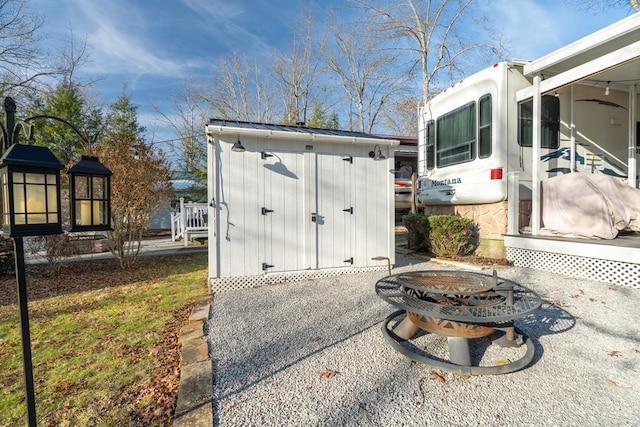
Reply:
x=104 y=341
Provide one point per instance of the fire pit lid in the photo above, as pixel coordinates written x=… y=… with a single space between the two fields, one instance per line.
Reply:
x=442 y=282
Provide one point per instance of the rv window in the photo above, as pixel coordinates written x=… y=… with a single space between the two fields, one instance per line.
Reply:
x=484 y=127
x=456 y=136
x=430 y=145
x=550 y=122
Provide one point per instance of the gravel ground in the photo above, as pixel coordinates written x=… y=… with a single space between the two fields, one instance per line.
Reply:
x=271 y=345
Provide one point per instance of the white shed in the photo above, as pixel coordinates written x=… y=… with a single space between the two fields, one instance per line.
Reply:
x=291 y=202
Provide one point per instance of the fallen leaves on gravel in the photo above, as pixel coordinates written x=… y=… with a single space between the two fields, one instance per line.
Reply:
x=437 y=377
x=580 y=292
x=328 y=373
x=615 y=353
x=557 y=303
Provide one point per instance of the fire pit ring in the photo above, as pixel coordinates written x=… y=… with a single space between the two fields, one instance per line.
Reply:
x=460 y=306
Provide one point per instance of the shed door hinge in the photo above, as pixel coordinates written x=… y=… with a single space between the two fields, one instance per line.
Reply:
x=350 y=210
x=266 y=211
x=266 y=266
x=350 y=260
x=348 y=159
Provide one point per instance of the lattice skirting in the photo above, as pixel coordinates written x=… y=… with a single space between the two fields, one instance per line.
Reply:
x=235 y=283
x=600 y=270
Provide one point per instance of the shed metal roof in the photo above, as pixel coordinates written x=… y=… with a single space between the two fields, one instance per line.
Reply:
x=301 y=130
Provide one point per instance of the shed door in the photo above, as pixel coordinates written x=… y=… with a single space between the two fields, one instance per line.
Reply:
x=333 y=215
x=282 y=211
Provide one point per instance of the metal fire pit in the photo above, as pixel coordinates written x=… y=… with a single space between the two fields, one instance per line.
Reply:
x=461 y=306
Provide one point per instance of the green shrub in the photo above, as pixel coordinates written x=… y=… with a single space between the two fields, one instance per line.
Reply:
x=417 y=226
x=451 y=235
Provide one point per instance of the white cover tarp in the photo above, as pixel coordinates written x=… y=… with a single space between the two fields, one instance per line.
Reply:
x=592 y=206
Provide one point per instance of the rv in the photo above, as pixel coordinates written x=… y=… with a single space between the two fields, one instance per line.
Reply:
x=406 y=163
x=479 y=131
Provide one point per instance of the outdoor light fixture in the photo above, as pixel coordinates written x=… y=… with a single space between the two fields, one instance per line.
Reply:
x=376 y=154
x=90 y=188
x=30 y=201
x=238 y=147
x=606 y=91
x=30 y=188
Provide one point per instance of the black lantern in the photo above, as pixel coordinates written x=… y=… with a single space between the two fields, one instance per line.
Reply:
x=90 y=190
x=30 y=188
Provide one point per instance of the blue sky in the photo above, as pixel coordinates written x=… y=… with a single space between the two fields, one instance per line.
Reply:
x=155 y=46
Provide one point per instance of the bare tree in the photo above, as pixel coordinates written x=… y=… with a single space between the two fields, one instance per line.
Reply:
x=188 y=120
x=366 y=71
x=239 y=90
x=605 y=5
x=24 y=65
x=439 y=34
x=400 y=117
x=297 y=71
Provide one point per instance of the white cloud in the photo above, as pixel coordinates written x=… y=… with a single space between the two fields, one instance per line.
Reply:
x=120 y=39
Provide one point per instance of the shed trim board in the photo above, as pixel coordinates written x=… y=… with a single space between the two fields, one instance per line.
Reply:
x=297 y=200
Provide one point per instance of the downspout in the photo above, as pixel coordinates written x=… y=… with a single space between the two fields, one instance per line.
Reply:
x=535 y=158
x=573 y=132
x=632 y=168
x=212 y=193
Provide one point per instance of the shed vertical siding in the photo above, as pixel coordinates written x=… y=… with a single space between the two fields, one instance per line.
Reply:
x=333 y=198
x=373 y=190
x=295 y=182
x=283 y=192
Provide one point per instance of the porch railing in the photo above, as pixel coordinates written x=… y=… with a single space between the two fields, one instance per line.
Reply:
x=189 y=221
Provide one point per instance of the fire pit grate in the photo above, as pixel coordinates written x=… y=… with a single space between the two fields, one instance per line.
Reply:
x=461 y=306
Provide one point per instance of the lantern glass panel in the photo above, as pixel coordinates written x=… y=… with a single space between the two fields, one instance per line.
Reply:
x=4 y=182
x=34 y=198
x=91 y=213
x=82 y=187
x=19 y=202
x=34 y=178
x=36 y=206
x=99 y=187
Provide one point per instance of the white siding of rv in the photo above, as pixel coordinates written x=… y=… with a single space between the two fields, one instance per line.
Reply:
x=501 y=82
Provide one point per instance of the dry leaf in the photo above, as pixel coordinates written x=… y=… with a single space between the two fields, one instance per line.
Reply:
x=501 y=362
x=436 y=376
x=612 y=383
x=637 y=350
x=328 y=373
x=580 y=292
x=557 y=303
x=615 y=353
